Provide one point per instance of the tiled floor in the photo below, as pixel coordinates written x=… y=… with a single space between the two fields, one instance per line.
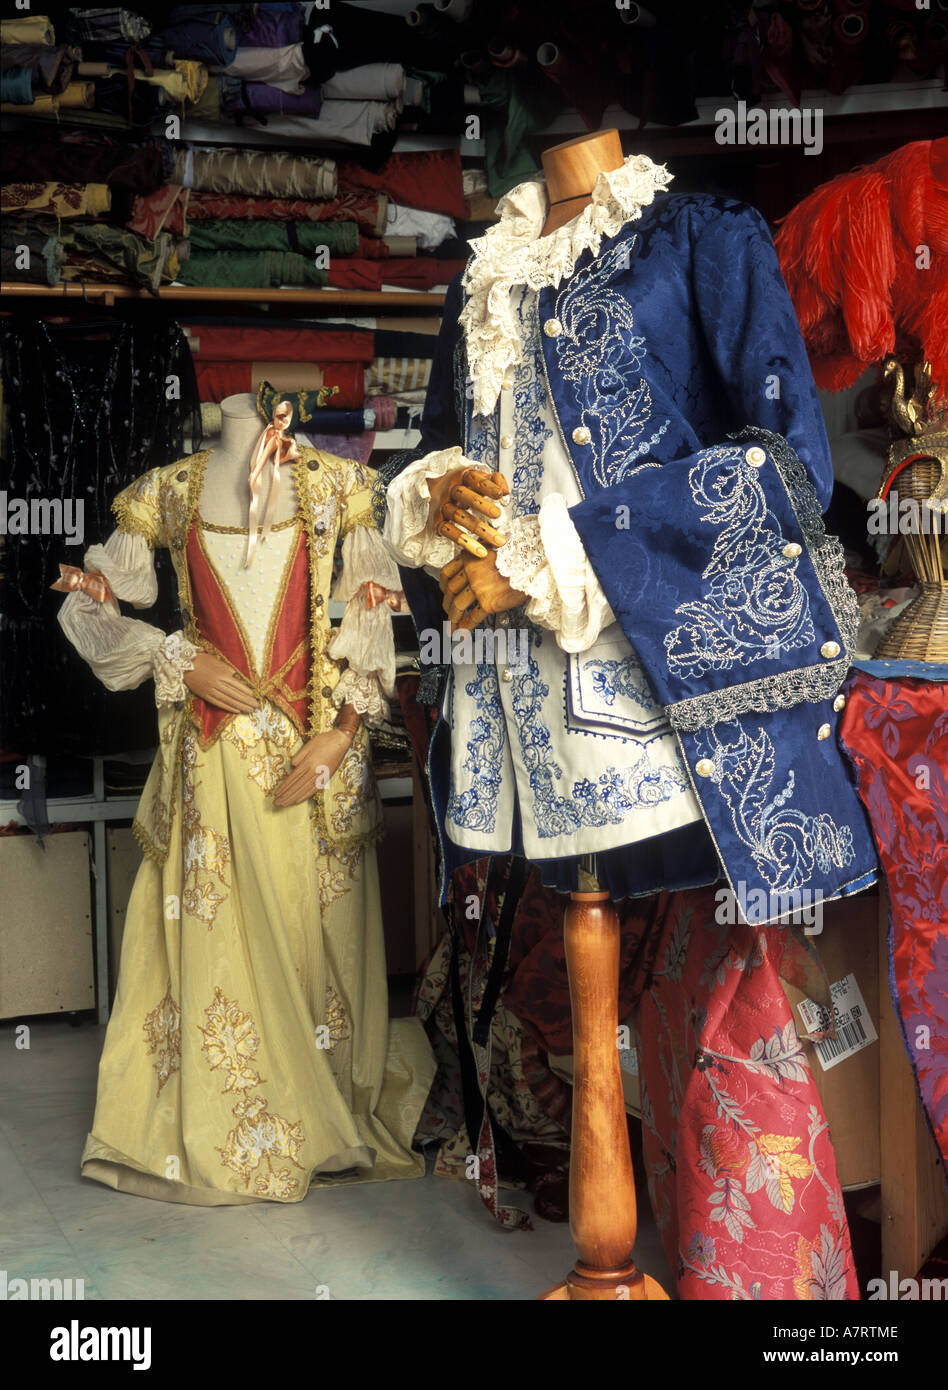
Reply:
x=427 y=1239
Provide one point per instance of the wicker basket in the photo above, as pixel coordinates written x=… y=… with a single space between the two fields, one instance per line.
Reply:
x=921 y=633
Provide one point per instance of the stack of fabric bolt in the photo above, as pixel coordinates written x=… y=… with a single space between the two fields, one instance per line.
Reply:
x=122 y=208
x=346 y=382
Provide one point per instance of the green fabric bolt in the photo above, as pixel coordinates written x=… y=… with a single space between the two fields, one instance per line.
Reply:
x=141 y=260
x=40 y=235
x=239 y=234
x=511 y=113
x=249 y=270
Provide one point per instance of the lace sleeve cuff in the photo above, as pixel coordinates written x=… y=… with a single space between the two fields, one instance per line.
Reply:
x=407 y=501
x=544 y=558
x=364 y=694
x=172 y=657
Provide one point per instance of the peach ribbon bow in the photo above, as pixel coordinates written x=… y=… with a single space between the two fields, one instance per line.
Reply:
x=94 y=584
x=272 y=446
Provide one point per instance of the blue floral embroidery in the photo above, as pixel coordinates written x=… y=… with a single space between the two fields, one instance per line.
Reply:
x=786 y=844
x=531 y=431
x=616 y=793
x=600 y=354
x=476 y=808
x=612 y=678
x=754 y=605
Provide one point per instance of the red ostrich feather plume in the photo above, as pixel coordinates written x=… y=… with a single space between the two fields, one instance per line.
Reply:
x=865 y=258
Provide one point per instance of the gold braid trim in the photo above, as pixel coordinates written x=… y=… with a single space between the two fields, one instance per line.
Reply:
x=364 y=518
x=131 y=524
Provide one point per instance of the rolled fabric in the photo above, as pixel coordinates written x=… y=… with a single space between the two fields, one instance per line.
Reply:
x=106 y=24
x=345 y=122
x=61 y=199
x=258 y=172
x=186 y=81
x=53 y=68
x=367 y=210
x=431 y=228
x=165 y=210
x=205 y=40
x=86 y=156
x=250 y=270
x=310 y=407
x=427 y=179
x=413 y=272
x=282 y=67
x=211 y=419
x=260 y=97
x=393 y=376
x=274 y=29
x=141 y=262
x=340 y=238
x=385 y=411
x=342 y=384
x=78 y=96
x=39 y=235
x=357 y=446
x=36 y=29
x=329 y=421
x=370 y=82
x=235 y=344
x=16 y=86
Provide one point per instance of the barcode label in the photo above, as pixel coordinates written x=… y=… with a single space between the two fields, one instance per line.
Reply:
x=854 y=1028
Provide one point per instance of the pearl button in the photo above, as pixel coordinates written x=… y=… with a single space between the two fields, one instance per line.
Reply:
x=506 y=674
x=552 y=328
x=829 y=650
x=792 y=550
x=506 y=442
x=581 y=435
x=839 y=703
x=704 y=767
x=756 y=456
x=823 y=731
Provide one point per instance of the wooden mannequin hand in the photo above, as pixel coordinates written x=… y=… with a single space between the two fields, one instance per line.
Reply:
x=461 y=499
x=218 y=684
x=473 y=588
x=313 y=766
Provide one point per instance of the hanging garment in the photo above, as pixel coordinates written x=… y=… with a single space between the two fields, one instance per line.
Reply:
x=250 y=1034
x=367 y=210
x=83 y=156
x=89 y=408
x=258 y=172
x=895 y=731
x=682 y=591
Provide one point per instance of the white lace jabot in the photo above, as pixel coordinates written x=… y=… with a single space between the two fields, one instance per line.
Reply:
x=513 y=252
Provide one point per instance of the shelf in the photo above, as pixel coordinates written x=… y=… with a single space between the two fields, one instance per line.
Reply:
x=108 y=294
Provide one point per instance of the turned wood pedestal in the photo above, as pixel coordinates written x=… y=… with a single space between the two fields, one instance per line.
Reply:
x=602 y=1210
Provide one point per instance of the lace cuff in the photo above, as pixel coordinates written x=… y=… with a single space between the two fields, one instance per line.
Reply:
x=364 y=694
x=172 y=657
x=407 y=500
x=544 y=558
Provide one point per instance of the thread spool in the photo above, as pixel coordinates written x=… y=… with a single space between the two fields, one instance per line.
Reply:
x=851 y=29
x=456 y=10
x=548 y=58
x=638 y=15
x=502 y=54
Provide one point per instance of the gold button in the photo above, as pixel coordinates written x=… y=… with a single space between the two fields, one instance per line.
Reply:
x=829 y=650
x=552 y=328
x=312 y=464
x=839 y=703
x=792 y=550
x=506 y=674
x=581 y=435
x=823 y=731
x=318 y=600
x=327 y=691
x=756 y=456
x=704 y=767
x=182 y=477
x=506 y=442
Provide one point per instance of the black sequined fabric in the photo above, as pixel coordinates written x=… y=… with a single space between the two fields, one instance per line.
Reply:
x=91 y=406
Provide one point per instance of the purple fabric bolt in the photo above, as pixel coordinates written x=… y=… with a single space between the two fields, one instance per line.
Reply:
x=274 y=29
x=270 y=101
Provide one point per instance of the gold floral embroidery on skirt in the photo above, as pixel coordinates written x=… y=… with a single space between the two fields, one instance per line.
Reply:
x=336 y=1018
x=205 y=849
x=163 y=1034
x=264 y=740
x=231 y=1043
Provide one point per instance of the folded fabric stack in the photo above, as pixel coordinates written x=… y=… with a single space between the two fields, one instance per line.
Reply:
x=345 y=382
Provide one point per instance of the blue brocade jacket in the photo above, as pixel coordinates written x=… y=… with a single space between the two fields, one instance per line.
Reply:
x=684 y=398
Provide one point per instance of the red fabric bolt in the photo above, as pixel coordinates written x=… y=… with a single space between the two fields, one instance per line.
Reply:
x=365 y=208
x=426 y=179
x=212 y=343
x=218 y=380
x=409 y=272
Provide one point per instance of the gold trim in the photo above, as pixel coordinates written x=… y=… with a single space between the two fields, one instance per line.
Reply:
x=242 y=530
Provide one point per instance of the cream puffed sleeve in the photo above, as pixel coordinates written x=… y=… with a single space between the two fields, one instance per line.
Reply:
x=124 y=651
x=364 y=637
x=544 y=558
x=407 y=499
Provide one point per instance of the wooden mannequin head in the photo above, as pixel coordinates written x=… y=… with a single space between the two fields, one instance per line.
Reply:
x=571 y=171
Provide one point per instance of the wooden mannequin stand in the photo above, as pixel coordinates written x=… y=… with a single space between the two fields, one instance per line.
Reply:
x=602 y=1207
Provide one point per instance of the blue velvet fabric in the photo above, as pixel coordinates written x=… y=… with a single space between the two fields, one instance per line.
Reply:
x=676 y=336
